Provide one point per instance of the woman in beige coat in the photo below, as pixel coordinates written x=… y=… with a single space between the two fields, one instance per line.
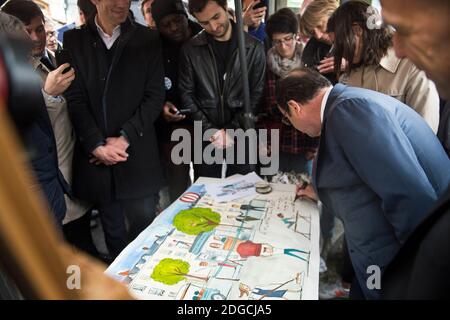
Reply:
x=76 y=224
x=361 y=39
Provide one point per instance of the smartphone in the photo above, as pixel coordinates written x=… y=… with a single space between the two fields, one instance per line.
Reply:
x=260 y=4
x=180 y=111
x=184 y=111
x=63 y=56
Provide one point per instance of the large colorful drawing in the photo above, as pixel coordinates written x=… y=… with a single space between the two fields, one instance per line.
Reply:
x=258 y=247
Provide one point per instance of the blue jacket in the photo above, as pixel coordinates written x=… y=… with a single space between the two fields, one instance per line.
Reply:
x=40 y=142
x=379 y=169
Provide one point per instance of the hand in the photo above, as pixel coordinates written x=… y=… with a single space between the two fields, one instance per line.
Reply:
x=253 y=17
x=170 y=113
x=108 y=155
x=221 y=140
x=118 y=142
x=307 y=192
x=327 y=65
x=57 y=82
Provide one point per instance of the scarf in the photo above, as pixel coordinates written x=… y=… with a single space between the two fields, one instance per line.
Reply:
x=281 y=66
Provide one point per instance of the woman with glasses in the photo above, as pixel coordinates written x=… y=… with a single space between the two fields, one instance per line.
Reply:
x=367 y=44
x=296 y=148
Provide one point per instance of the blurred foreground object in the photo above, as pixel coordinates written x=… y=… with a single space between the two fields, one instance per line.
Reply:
x=33 y=253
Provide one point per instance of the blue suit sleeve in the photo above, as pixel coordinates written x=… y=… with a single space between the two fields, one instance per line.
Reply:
x=379 y=151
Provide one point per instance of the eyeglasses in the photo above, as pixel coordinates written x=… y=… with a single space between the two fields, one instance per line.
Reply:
x=286 y=40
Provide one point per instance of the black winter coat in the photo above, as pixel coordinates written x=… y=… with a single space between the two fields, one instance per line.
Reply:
x=103 y=100
x=199 y=83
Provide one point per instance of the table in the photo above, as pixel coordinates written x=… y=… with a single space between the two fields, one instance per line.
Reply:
x=255 y=248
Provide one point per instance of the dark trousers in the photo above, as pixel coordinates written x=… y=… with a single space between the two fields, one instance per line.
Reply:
x=78 y=233
x=137 y=214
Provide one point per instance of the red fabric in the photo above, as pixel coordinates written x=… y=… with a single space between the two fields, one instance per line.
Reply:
x=249 y=249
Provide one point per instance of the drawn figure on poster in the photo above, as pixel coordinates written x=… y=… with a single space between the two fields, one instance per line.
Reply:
x=251 y=249
x=247 y=207
x=287 y=221
x=274 y=290
x=243 y=218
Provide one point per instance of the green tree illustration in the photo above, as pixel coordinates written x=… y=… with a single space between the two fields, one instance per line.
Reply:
x=197 y=220
x=171 y=271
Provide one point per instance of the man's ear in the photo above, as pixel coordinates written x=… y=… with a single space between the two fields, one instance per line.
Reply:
x=294 y=107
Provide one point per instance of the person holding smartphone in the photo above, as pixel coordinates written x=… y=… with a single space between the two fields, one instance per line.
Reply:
x=74 y=216
x=254 y=13
x=175 y=28
x=211 y=86
x=313 y=25
x=372 y=63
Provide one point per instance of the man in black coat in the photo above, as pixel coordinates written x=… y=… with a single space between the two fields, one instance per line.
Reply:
x=211 y=82
x=113 y=104
x=420 y=270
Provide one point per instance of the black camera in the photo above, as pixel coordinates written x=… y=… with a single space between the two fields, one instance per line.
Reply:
x=23 y=85
x=260 y=4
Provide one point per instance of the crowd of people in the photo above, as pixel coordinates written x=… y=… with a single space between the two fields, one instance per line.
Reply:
x=358 y=99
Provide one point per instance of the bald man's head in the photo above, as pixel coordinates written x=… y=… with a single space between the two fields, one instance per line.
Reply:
x=423 y=35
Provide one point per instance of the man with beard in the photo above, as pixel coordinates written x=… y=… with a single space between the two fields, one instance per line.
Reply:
x=211 y=82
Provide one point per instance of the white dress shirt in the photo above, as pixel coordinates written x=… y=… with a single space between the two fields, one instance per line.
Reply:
x=324 y=103
x=107 y=39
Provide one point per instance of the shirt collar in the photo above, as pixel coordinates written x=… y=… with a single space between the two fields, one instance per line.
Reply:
x=107 y=39
x=324 y=103
x=390 y=61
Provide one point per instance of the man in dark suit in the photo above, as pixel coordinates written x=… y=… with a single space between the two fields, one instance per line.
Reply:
x=113 y=104
x=420 y=269
x=379 y=167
